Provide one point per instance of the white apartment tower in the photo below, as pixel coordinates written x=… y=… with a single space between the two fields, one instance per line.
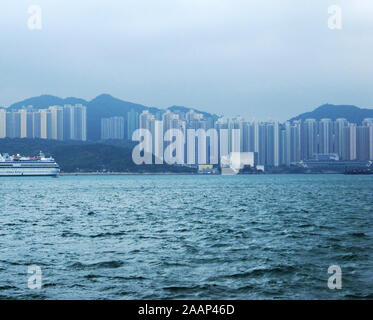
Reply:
x=57 y=123
x=2 y=123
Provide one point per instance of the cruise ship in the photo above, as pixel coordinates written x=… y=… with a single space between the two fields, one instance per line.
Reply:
x=28 y=166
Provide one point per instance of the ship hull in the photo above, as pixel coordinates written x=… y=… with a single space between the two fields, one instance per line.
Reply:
x=29 y=172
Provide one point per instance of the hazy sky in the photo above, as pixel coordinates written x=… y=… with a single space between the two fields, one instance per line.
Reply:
x=262 y=59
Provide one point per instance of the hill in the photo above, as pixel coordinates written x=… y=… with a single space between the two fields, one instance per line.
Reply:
x=84 y=157
x=45 y=101
x=351 y=113
x=107 y=106
x=102 y=106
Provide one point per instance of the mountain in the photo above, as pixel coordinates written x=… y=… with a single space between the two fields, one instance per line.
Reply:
x=45 y=101
x=106 y=106
x=102 y=106
x=351 y=113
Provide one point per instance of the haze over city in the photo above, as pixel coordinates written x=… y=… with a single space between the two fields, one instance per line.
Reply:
x=185 y=157
x=258 y=59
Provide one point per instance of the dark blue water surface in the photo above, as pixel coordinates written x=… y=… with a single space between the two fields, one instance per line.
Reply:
x=179 y=237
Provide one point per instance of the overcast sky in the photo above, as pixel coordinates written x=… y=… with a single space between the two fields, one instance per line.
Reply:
x=261 y=59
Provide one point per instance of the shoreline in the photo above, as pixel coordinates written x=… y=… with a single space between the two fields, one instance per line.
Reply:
x=122 y=173
x=193 y=174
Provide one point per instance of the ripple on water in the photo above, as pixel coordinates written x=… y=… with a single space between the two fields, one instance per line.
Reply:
x=201 y=237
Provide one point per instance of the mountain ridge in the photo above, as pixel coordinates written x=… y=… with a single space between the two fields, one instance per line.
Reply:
x=102 y=106
x=352 y=113
x=105 y=105
x=45 y=101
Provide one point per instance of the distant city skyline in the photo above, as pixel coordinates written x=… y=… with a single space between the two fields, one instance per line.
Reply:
x=228 y=113
x=56 y=122
x=40 y=102
x=273 y=142
x=265 y=59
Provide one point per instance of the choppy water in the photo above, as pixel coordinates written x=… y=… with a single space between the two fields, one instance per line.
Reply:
x=178 y=237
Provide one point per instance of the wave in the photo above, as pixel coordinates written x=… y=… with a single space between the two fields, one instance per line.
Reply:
x=98 y=265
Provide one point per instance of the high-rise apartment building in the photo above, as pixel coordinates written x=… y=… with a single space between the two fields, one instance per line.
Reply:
x=338 y=136
x=45 y=124
x=132 y=123
x=309 y=139
x=325 y=136
x=2 y=123
x=112 y=128
x=23 y=123
x=369 y=123
x=13 y=124
x=362 y=143
x=75 y=122
x=80 y=123
x=58 y=123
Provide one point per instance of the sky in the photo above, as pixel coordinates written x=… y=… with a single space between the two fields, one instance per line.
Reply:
x=260 y=59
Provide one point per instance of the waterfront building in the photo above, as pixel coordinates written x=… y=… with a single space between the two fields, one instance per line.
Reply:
x=112 y=128
x=23 y=123
x=68 y=122
x=338 y=136
x=132 y=123
x=80 y=122
x=309 y=139
x=13 y=124
x=325 y=136
x=2 y=123
x=362 y=143
x=57 y=122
